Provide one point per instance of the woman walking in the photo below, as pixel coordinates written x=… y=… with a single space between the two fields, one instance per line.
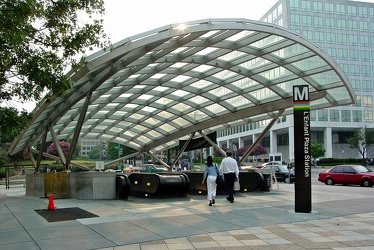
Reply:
x=210 y=175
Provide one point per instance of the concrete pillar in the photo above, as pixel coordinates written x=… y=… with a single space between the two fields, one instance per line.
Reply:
x=273 y=142
x=328 y=142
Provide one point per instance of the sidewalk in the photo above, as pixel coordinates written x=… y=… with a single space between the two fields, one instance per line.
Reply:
x=257 y=220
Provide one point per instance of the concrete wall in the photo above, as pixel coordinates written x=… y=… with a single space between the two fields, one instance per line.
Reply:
x=83 y=185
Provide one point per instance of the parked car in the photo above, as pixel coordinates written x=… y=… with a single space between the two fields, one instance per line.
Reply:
x=154 y=168
x=270 y=163
x=282 y=173
x=347 y=175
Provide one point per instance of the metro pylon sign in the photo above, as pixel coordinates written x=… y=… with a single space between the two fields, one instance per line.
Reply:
x=303 y=184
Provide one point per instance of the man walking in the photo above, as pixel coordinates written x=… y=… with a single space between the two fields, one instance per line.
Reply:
x=229 y=168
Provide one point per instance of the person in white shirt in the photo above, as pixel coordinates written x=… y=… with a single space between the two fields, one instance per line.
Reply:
x=229 y=168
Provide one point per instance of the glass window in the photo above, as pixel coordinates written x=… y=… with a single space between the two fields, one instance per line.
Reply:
x=356 y=85
x=352 y=25
x=364 y=26
x=364 y=41
x=346 y=116
x=340 y=9
x=367 y=86
x=318 y=22
x=362 y=11
x=341 y=24
x=322 y=115
x=351 y=10
x=357 y=116
x=334 y=115
x=342 y=54
x=331 y=52
x=306 y=21
x=355 y=70
x=317 y=7
x=294 y=5
x=365 y=71
x=354 y=55
x=313 y=115
x=319 y=37
x=342 y=39
x=308 y=34
x=295 y=19
x=353 y=40
x=367 y=101
x=305 y=5
x=329 y=8
x=345 y=68
x=365 y=55
x=371 y=12
x=372 y=27
x=331 y=38
x=358 y=101
x=368 y=116
x=330 y=23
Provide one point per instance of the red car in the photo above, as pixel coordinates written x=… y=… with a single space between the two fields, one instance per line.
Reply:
x=347 y=174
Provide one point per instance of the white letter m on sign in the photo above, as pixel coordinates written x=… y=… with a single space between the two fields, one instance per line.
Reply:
x=301 y=93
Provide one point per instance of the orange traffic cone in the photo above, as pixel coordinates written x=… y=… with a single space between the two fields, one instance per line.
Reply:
x=51 y=204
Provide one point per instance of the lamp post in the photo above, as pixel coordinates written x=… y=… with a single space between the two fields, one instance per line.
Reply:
x=343 y=157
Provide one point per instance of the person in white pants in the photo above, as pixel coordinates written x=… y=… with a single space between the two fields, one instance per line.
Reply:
x=210 y=175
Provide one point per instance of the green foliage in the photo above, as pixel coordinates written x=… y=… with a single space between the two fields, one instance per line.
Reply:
x=317 y=150
x=362 y=140
x=39 y=40
x=12 y=122
x=113 y=148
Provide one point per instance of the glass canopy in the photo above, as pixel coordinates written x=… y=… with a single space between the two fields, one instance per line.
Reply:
x=154 y=89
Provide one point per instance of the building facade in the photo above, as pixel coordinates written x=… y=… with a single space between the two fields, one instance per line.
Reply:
x=345 y=30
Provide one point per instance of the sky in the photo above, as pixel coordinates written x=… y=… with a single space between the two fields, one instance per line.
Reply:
x=125 y=18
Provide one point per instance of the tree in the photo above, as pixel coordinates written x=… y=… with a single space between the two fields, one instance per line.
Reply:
x=362 y=140
x=39 y=40
x=317 y=150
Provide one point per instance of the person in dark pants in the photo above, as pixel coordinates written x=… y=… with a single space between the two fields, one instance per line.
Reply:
x=229 y=168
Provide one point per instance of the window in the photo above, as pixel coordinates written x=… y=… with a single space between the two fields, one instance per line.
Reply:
x=356 y=85
x=334 y=115
x=365 y=56
x=313 y=115
x=362 y=11
x=367 y=86
x=317 y=7
x=308 y=34
x=331 y=38
x=332 y=52
x=295 y=19
x=345 y=68
x=368 y=116
x=364 y=41
x=357 y=116
x=365 y=71
x=354 y=55
x=364 y=26
x=371 y=12
x=351 y=10
x=330 y=23
x=358 y=101
x=367 y=101
x=342 y=54
x=341 y=24
x=305 y=5
x=355 y=70
x=294 y=5
x=318 y=22
x=342 y=39
x=282 y=140
x=329 y=8
x=322 y=115
x=340 y=9
x=346 y=116
x=306 y=21
x=319 y=37
x=352 y=25
x=353 y=40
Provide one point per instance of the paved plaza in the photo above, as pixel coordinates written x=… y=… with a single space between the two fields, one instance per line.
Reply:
x=257 y=220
